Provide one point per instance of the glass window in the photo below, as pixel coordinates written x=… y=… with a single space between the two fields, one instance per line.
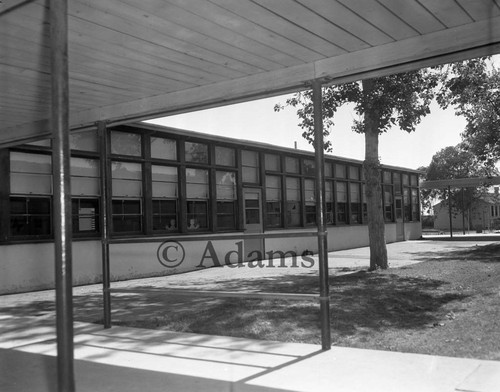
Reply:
x=250 y=166
x=406 y=204
x=396 y=179
x=354 y=172
x=197 y=193
x=252 y=209
x=388 y=203
x=226 y=199
x=341 y=194
x=196 y=152
x=355 y=200
x=225 y=156
x=30 y=216
x=406 y=179
x=84 y=141
x=309 y=167
x=330 y=214
x=293 y=202
x=162 y=148
x=124 y=143
x=328 y=169
x=387 y=177
x=126 y=179
x=365 y=203
x=30 y=173
x=273 y=201
x=85 y=215
x=310 y=201
x=291 y=165
x=413 y=180
x=273 y=162
x=85 y=177
x=414 y=205
x=340 y=171
x=127 y=215
x=165 y=194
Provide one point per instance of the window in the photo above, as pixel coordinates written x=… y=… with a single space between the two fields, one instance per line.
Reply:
x=197 y=199
x=330 y=214
x=364 y=203
x=406 y=204
x=196 y=152
x=162 y=148
x=126 y=205
x=85 y=191
x=328 y=169
x=340 y=171
x=164 y=194
x=354 y=172
x=273 y=201
x=30 y=216
x=250 y=166
x=355 y=201
x=123 y=143
x=225 y=156
x=293 y=202
x=226 y=199
x=84 y=141
x=292 y=165
x=309 y=167
x=341 y=202
x=310 y=201
x=388 y=203
x=396 y=178
x=272 y=162
x=30 y=173
x=387 y=177
x=414 y=205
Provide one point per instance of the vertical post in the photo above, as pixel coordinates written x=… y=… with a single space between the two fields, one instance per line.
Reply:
x=449 y=211
x=62 y=194
x=104 y=223
x=463 y=211
x=326 y=341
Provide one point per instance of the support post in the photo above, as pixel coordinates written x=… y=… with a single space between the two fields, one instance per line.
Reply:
x=104 y=223
x=463 y=211
x=326 y=341
x=62 y=194
x=449 y=211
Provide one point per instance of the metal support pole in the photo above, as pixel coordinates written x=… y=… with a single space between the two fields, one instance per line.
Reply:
x=326 y=341
x=62 y=194
x=463 y=211
x=104 y=222
x=449 y=211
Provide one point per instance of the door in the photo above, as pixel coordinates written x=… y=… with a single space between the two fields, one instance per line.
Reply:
x=400 y=225
x=253 y=247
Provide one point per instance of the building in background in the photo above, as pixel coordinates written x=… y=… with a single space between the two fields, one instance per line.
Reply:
x=181 y=200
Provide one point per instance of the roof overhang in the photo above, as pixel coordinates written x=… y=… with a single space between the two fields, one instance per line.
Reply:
x=131 y=61
x=461 y=183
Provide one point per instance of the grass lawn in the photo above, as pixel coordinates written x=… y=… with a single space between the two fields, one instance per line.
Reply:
x=447 y=305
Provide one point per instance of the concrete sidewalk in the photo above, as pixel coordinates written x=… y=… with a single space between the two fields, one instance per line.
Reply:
x=130 y=359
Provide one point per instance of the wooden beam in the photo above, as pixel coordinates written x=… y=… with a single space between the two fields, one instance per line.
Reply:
x=461 y=183
x=458 y=43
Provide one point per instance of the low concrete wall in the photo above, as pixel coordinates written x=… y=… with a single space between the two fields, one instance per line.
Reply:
x=30 y=267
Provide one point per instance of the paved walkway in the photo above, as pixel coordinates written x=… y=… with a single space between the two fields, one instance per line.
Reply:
x=130 y=359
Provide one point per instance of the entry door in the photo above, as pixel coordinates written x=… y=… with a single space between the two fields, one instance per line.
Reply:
x=400 y=225
x=253 y=247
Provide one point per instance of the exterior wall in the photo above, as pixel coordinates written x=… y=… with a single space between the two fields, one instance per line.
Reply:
x=30 y=267
x=480 y=218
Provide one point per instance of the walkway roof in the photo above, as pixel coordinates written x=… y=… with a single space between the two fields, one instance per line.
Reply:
x=131 y=60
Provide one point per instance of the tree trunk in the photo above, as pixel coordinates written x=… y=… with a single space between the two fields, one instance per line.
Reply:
x=371 y=167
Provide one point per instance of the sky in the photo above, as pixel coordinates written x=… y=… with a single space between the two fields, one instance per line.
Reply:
x=257 y=121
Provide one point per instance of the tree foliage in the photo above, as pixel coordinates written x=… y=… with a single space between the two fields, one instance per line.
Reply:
x=473 y=88
x=396 y=100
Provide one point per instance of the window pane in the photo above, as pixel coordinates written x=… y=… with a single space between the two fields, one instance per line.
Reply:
x=31 y=183
x=328 y=169
x=387 y=177
x=309 y=167
x=164 y=181
x=21 y=162
x=354 y=172
x=126 y=170
x=292 y=189
x=291 y=165
x=225 y=185
x=197 y=215
x=162 y=148
x=250 y=158
x=226 y=215
x=123 y=143
x=273 y=162
x=85 y=177
x=197 y=183
x=196 y=152
x=250 y=166
x=309 y=190
x=225 y=156
x=84 y=141
x=341 y=195
x=340 y=171
x=164 y=215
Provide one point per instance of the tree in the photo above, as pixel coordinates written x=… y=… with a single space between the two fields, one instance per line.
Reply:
x=452 y=163
x=473 y=88
x=396 y=100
